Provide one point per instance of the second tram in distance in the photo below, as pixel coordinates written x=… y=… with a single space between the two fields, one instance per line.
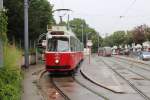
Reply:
x=63 y=50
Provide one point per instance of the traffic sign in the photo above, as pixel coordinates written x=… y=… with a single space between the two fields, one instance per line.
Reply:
x=89 y=43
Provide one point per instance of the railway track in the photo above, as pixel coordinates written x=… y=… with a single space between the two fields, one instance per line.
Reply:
x=87 y=87
x=59 y=90
x=145 y=67
x=144 y=77
x=61 y=83
x=78 y=86
x=127 y=80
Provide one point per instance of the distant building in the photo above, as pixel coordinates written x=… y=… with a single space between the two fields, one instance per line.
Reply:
x=1 y=4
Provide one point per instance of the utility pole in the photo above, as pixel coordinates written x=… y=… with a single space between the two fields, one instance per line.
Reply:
x=26 y=36
x=98 y=42
x=68 y=25
x=1 y=5
x=82 y=33
x=86 y=39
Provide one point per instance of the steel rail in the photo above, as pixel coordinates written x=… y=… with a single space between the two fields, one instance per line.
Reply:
x=88 y=79
x=53 y=83
x=133 y=86
x=59 y=90
x=86 y=87
x=124 y=61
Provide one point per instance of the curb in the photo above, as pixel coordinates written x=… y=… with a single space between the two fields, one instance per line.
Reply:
x=98 y=84
x=38 y=83
x=40 y=75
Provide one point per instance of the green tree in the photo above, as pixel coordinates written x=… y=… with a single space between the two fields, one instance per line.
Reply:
x=129 y=38
x=77 y=25
x=108 y=41
x=40 y=14
x=3 y=25
x=118 y=37
x=15 y=18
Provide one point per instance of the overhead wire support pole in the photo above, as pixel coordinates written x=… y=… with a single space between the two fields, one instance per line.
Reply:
x=82 y=33
x=26 y=36
x=98 y=42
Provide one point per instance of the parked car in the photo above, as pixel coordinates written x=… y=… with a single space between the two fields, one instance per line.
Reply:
x=144 y=55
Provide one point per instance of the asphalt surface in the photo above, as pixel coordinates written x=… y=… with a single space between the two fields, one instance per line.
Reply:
x=93 y=81
x=106 y=78
x=30 y=87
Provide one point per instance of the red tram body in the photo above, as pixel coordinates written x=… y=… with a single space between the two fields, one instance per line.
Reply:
x=63 y=51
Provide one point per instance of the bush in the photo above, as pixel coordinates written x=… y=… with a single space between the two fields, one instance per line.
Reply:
x=10 y=76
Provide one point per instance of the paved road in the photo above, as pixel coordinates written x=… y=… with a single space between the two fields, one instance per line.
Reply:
x=99 y=72
x=95 y=81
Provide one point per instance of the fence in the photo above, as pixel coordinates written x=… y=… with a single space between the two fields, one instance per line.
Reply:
x=1 y=54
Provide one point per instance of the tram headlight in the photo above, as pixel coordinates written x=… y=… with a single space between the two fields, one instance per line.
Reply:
x=56 y=61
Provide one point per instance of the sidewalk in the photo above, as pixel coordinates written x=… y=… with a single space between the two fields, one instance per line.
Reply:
x=100 y=74
x=29 y=84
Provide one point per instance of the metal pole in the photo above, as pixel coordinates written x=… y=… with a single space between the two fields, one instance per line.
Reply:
x=1 y=4
x=86 y=39
x=60 y=19
x=68 y=26
x=26 y=38
x=98 y=42
x=82 y=33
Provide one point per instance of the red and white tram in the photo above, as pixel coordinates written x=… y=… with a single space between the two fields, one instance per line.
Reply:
x=63 y=51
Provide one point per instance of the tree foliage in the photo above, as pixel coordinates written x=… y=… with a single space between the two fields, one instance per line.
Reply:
x=3 y=25
x=117 y=38
x=40 y=14
x=78 y=25
x=129 y=38
x=139 y=35
x=15 y=18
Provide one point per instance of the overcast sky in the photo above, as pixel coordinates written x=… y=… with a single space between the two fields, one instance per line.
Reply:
x=104 y=15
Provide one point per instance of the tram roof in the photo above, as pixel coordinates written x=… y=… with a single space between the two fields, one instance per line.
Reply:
x=59 y=28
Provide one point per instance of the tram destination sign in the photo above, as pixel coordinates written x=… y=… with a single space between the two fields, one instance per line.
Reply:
x=1 y=54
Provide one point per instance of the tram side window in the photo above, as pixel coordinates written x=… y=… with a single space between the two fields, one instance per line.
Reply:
x=78 y=45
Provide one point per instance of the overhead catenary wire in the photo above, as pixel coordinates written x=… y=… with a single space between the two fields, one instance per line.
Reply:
x=124 y=14
x=129 y=8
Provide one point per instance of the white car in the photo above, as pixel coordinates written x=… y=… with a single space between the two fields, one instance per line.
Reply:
x=144 y=55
